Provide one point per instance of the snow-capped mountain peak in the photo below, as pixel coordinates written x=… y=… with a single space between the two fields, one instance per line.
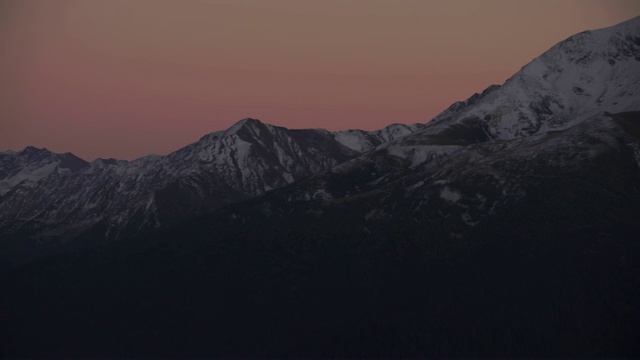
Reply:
x=30 y=165
x=586 y=74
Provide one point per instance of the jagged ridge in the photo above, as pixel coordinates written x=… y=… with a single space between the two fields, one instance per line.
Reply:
x=58 y=197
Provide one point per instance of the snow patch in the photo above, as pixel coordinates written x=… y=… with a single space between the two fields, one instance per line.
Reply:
x=467 y=219
x=414 y=186
x=450 y=195
x=321 y=194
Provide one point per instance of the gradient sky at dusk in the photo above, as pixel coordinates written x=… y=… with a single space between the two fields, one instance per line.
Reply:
x=126 y=78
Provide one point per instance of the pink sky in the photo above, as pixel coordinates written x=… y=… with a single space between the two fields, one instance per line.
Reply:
x=126 y=78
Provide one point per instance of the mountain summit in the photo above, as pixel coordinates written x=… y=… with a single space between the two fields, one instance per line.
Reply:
x=582 y=76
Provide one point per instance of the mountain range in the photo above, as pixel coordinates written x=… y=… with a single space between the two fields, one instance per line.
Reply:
x=49 y=199
x=507 y=225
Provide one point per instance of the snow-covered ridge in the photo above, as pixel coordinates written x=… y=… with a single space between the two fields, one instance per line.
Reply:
x=59 y=196
x=584 y=75
x=550 y=114
x=361 y=141
x=30 y=165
